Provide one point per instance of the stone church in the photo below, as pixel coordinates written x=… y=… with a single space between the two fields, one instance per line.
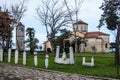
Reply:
x=96 y=41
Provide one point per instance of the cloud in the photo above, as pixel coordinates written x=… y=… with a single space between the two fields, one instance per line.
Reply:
x=41 y=37
x=89 y=13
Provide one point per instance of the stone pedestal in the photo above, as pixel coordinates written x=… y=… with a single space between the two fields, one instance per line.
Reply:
x=24 y=58
x=9 y=54
x=88 y=63
x=16 y=56
x=35 y=59
x=46 y=61
x=64 y=56
x=57 y=52
x=71 y=55
x=1 y=54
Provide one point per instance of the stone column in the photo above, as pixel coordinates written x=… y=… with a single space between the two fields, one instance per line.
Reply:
x=46 y=60
x=83 y=60
x=24 y=58
x=9 y=54
x=35 y=59
x=71 y=55
x=64 y=56
x=1 y=54
x=16 y=56
x=92 y=61
x=57 y=52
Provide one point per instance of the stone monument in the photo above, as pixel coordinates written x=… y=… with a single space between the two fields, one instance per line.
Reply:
x=64 y=59
x=71 y=55
x=16 y=56
x=46 y=60
x=9 y=54
x=1 y=54
x=88 y=63
x=24 y=58
x=35 y=59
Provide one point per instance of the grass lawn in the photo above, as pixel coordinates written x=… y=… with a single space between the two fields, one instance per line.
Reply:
x=104 y=64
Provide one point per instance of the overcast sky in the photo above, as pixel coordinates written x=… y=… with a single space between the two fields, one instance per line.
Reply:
x=89 y=13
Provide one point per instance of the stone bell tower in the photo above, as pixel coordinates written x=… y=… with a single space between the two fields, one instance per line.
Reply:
x=20 y=36
x=81 y=26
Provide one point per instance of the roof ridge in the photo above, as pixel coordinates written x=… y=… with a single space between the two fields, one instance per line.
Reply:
x=81 y=22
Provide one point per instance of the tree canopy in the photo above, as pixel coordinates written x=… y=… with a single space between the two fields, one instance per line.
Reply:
x=53 y=16
x=111 y=14
x=31 y=41
x=5 y=29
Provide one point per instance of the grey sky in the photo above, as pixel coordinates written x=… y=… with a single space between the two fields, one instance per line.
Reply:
x=89 y=13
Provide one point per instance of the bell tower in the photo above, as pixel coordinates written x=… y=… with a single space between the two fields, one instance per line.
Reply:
x=20 y=36
x=81 y=26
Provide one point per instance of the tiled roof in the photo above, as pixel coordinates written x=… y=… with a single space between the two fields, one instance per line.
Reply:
x=94 y=34
x=98 y=32
x=80 y=22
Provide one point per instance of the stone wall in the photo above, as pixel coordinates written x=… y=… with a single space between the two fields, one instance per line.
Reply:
x=101 y=44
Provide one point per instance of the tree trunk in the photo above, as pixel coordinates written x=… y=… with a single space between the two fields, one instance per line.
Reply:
x=117 y=46
x=3 y=47
x=117 y=62
x=76 y=47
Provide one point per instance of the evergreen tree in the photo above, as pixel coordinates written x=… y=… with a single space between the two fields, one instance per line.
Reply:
x=31 y=41
x=111 y=16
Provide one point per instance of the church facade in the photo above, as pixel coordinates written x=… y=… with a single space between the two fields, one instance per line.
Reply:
x=95 y=41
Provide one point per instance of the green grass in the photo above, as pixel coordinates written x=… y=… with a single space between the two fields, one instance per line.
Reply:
x=104 y=64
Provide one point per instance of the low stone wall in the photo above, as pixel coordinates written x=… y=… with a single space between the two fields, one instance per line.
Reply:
x=14 y=72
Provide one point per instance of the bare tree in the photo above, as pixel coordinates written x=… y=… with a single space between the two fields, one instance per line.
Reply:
x=53 y=15
x=17 y=12
x=76 y=7
x=4 y=8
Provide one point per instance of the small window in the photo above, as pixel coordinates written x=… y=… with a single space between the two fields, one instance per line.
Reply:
x=106 y=45
x=21 y=29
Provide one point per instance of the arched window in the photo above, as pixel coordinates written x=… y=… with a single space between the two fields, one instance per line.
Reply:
x=106 y=45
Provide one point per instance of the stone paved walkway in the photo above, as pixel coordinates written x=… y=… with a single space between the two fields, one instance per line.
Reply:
x=12 y=72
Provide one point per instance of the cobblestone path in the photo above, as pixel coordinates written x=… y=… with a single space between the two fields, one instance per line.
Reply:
x=13 y=72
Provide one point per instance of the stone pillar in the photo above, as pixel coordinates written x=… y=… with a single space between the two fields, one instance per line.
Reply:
x=24 y=58
x=64 y=56
x=35 y=59
x=1 y=54
x=9 y=54
x=16 y=56
x=46 y=60
x=57 y=52
x=71 y=55
x=92 y=61
x=83 y=60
